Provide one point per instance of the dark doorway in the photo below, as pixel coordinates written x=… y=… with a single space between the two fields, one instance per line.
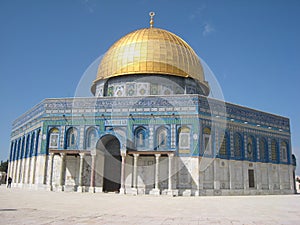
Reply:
x=251 y=178
x=110 y=146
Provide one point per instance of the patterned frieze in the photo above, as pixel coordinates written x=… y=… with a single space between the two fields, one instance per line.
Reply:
x=168 y=105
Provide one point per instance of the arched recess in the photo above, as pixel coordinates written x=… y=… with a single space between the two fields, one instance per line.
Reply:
x=238 y=145
x=140 y=137
x=53 y=138
x=251 y=154
x=11 y=151
x=91 y=138
x=162 y=142
x=109 y=147
x=19 y=149
x=284 y=151
x=184 y=133
x=263 y=150
x=37 y=140
x=32 y=144
x=27 y=146
x=71 y=138
x=224 y=151
x=274 y=150
x=23 y=148
x=207 y=141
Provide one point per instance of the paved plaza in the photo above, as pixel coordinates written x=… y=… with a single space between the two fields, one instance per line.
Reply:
x=19 y=206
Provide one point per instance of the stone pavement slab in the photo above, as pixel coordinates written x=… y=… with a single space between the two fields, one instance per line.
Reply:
x=20 y=206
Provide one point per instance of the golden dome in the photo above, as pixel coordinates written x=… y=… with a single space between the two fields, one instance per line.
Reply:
x=150 y=51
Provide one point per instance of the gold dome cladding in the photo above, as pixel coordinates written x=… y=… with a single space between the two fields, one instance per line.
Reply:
x=151 y=51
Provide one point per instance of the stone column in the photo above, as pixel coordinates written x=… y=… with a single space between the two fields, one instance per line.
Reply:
x=80 y=187
x=29 y=170
x=281 y=186
x=51 y=171
x=257 y=173
x=14 y=176
x=171 y=191
x=270 y=178
x=156 y=190
x=245 y=176
x=231 y=175
x=170 y=171
x=216 y=175
x=92 y=182
x=62 y=171
x=156 y=170
x=34 y=159
x=18 y=172
x=135 y=175
x=122 y=189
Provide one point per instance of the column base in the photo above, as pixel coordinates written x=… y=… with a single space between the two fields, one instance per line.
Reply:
x=50 y=188
x=81 y=189
x=60 y=188
x=122 y=191
x=133 y=191
x=172 y=193
x=92 y=189
x=154 y=192
x=187 y=193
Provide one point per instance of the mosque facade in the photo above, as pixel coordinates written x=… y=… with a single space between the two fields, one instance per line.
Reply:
x=151 y=128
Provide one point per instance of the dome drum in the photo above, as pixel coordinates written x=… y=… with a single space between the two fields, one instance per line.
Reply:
x=143 y=85
x=151 y=52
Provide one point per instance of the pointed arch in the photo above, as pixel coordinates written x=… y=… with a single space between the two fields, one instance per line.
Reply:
x=54 y=138
x=27 y=146
x=263 y=149
x=71 y=138
x=251 y=143
x=162 y=138
x=224 y=151
x=91 y=138
x=22 y=148
x=283 y=151
x=238 y=145
x=32 y=144
x=184 y=133
x=140 y=137
x=274 y=150
x=207 y=141
x=37 y=139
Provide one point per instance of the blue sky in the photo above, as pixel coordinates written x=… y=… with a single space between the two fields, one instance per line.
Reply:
x=252 y=47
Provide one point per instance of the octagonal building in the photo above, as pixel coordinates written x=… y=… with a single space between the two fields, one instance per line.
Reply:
x=151 y=128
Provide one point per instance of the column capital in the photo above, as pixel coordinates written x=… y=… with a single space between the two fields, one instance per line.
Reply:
x=82 y=154
x=62 y=154
x=136 y=155
x=51 y=154
x=171 y=155
x=93 y=152
x=157 y=155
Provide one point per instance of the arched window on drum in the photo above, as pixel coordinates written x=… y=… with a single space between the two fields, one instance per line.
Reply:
x=91 y=138
x=53 y=138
